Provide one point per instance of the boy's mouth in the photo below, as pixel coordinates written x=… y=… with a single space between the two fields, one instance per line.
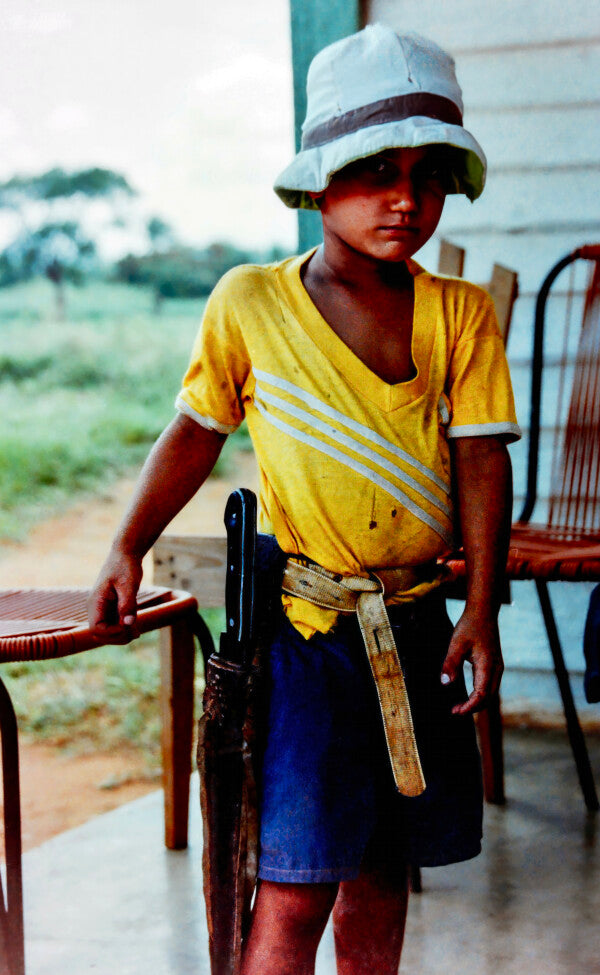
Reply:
x=400 y=230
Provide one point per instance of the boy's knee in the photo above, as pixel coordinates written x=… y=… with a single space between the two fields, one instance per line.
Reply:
x=300 y=909
x=373 y=895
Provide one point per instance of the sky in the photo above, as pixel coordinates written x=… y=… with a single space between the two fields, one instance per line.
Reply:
x=190 y=99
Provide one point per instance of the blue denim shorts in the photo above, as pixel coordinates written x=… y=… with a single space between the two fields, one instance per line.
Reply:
x=328 y=804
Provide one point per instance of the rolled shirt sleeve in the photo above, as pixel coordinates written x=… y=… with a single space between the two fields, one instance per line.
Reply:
x=479 y=387
x=213 y=386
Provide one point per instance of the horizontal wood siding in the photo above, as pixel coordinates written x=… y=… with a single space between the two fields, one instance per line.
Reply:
x=461 y=25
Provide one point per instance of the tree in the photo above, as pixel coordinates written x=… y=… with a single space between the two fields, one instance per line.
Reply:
x=181 y=272
x=58 y=184
x=60 y=251
x=160 y=233
x=52 y=238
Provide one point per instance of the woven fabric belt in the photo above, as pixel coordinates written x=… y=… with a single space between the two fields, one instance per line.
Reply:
x=365 y=597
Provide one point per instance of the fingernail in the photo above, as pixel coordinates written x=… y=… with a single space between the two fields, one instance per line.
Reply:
x=445 y=678
x=129 y=620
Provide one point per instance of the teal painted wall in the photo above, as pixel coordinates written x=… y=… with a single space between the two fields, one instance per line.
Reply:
x=315 y=23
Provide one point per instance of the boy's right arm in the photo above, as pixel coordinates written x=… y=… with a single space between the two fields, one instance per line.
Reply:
x=179 y=463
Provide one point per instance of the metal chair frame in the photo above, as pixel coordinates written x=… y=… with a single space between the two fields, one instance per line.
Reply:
x=576 y=738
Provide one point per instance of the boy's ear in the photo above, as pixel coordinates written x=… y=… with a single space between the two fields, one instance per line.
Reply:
x=316 y=197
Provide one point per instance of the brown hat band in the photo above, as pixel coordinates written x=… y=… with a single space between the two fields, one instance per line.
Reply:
x=385 y=110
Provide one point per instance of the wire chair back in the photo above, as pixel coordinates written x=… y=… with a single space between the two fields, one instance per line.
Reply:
x=574 y=450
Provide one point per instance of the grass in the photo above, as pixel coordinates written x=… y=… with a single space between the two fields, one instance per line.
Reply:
x=81 y=402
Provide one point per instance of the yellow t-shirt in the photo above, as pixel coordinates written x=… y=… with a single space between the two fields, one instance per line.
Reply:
x=354 y=472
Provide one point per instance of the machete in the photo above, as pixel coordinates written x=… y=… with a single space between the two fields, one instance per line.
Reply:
x=227 y=790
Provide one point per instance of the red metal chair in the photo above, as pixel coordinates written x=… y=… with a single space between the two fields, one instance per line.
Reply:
x=563 y=543
x=36 y=624
x=566 y=545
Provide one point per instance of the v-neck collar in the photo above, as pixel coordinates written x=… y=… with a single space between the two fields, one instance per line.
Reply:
x=386 y=396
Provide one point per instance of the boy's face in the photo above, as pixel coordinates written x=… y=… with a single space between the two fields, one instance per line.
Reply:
x=386 y=206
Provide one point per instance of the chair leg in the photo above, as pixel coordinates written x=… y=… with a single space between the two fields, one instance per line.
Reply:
x=578 y=745
x=489 y=728
x=177 y=653
x=13 y=962
x=415 y=882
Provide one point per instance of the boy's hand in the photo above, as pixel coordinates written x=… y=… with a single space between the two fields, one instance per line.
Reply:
x=112 y=606
x=478 y=641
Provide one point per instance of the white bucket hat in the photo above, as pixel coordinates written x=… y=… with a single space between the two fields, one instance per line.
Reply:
x=379 y=90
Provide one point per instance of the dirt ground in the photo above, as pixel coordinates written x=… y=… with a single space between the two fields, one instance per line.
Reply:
x=58 y=791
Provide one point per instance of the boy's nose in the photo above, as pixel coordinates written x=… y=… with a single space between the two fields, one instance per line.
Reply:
x=403 y=196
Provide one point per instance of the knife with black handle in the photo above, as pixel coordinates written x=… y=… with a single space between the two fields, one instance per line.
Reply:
x=237 y=643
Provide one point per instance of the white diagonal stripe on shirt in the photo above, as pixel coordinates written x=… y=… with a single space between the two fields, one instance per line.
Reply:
x=354 y=425
x=355 y=465
x=313 y=422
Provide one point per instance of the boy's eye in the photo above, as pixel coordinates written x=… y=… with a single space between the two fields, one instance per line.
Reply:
x=435 y=168
x=431 y=170
x=375 y=170
x=380 y=168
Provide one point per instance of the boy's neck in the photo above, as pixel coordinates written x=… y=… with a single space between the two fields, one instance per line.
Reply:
x=342 y=265
x=369 y=304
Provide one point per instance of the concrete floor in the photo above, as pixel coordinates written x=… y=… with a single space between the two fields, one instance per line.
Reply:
x=107 y=898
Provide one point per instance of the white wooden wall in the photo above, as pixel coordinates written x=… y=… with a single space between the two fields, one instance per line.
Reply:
x=530 y=73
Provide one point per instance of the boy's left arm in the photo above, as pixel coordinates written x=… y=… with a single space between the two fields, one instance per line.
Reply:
x=484 y=488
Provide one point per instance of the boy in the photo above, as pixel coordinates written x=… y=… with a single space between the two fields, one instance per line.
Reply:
x=356 y=370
